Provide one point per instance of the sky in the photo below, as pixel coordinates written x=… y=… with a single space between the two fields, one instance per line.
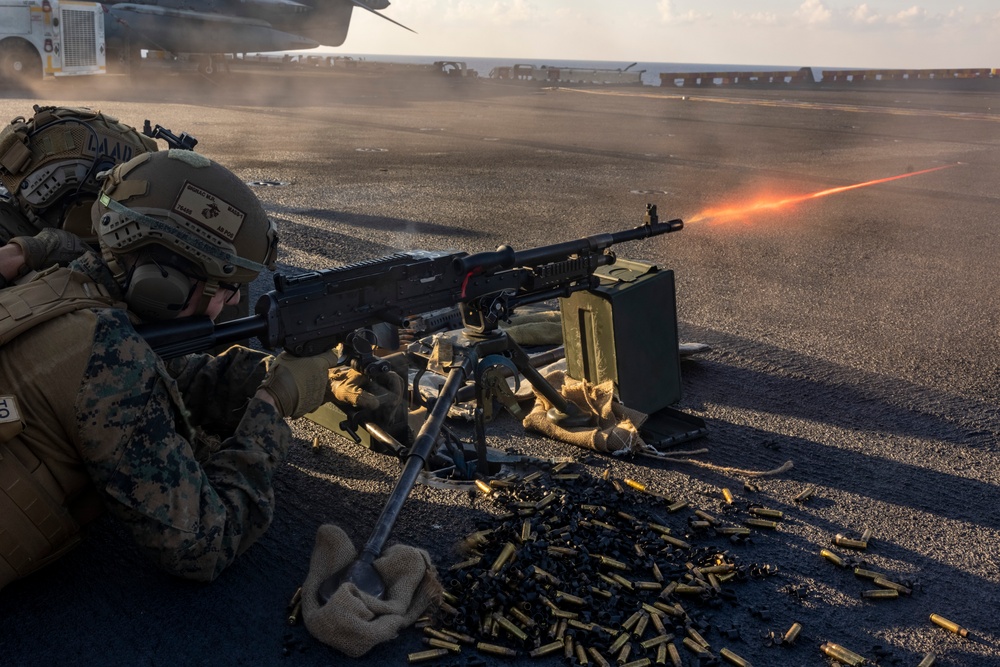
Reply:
x=924 y=34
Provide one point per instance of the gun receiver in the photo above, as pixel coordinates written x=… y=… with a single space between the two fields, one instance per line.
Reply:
x=312 y=312
x=184 y=142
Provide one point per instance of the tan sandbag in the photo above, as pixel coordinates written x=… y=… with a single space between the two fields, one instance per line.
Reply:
x=615 y=430
x=352 y=621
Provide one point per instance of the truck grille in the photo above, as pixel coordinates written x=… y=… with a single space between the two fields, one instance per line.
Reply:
x=80 y=41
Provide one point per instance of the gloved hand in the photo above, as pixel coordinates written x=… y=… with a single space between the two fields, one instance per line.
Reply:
x=298 y=385
x=383 y=395
x=49 y=246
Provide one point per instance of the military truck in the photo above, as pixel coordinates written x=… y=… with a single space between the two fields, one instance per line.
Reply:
x=46 y=38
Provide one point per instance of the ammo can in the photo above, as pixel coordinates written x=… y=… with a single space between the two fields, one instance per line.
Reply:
x=625 y=330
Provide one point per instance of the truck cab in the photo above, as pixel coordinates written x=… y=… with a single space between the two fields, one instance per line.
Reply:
x=47 y=38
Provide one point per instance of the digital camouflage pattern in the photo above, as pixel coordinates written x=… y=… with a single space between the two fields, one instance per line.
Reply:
x=183 y=456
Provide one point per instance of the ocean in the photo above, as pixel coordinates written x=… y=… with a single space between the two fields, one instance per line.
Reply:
x=650 y=70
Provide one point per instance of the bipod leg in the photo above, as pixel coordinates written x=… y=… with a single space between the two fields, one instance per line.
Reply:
x=563 y=412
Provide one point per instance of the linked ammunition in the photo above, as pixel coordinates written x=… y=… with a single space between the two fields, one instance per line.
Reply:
x=496 y=650
x=832 y=557
x=485 y=488
x=761 y=523
x=792 y=634
x=841 y=654
x=928 y=661
x=770 y=514
x=727 y=495
x=881 y=594
x=848 y=543
x=442 y=643
x=950 y=626
x=505 y=554
x=422 y=656
x=598 y=658
x=732 y=658
x=806 y=494
x=546 y=649
x=675 y=656
x=885 y=583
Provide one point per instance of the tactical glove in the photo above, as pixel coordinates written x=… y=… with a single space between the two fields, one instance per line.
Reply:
x=298 y=385
x=49 y=246
x=382 y=395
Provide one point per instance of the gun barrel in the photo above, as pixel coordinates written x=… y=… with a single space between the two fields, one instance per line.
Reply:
x=505 y=257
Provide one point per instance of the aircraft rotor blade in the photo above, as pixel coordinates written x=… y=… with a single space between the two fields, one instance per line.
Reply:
x=359 y=3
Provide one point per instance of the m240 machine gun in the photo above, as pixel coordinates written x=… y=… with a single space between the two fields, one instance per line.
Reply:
x=312 y=312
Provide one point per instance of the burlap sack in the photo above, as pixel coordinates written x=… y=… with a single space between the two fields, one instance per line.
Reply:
x=615 y=430
x=354 y=622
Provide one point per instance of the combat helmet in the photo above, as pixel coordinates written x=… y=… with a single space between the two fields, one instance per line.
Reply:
x=49 y=163
x=165 y=218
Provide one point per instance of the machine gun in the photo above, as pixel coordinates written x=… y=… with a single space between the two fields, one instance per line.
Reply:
x=184 y=142
x=310 y=313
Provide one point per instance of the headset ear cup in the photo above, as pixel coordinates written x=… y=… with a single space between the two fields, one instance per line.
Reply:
x=157 y=292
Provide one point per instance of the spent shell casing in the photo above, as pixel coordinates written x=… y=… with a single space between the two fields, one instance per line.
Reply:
x=597 y=657
x=654 y=616
x=465 y=563
x=732 y=530
x=421 y=656
x=619 y=641
x=547 y=500
x=648 y=585
x=669 y=610
x=561 y=629
x=675 y=656
x=792 y=634
x=638 y=486
x=865 y=574
x=546 y=649
x=296 y=613
x=562 y=551
x=656 y=573
x=770 y=514
x=568 y=647
x=693 y=646
x=460 y=637
x=832 y=557
x=732 y=658
x=443 y=643
x=700 y=525
x=505 y=554
x=527 y=479
x=727 y=495
x=661 y=654
x=296 y=598
x=866 y=535
x=559 y=613
x=627 y=517
x=680 y=544
x=632 y=620
x=581 y=655
x=559 y=467
x=695 y=635
x=566 y=477
x=841 y=654
x=526 y=530
x=604 y=525
x=806 y=494
x=678 y=506
x=436 y=634
x=705 y=516
x=526 y=620
x=928 y=661
x=611 y=562
x=580 y=625
x=622 y=581
x=881 y=594
x=751 y=487
x=572 y=599
x=685 y=589
x=848 y=543
x=885 y=583
x=663 y=530
x=640 y=626
x=668 y=590
x=641 y=662
x=761 y=523
x=316 y=448
x=483 y=487
x=496 y=649
x=656 y=641
x=601 y=592
x=623 y=654
x=950 y=626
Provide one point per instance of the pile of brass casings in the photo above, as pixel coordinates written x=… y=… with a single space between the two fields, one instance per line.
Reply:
x=590 y=569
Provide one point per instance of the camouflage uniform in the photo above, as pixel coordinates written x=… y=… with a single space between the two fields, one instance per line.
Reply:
x=184 y=455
